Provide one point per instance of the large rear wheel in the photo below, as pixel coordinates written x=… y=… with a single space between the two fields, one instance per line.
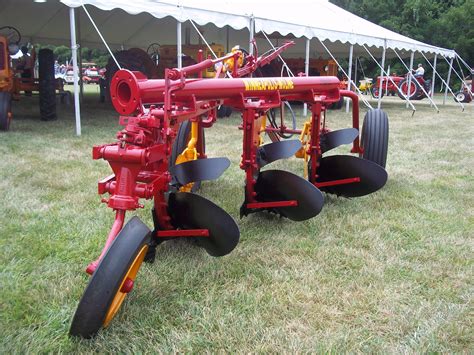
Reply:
x=112 y=280
x=5 y=114
x=47 y=85
x=409 y=91
x=374 y=138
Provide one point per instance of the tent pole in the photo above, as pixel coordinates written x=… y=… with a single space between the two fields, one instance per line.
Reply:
x=442 y=80
x=179 y=45
x=349 y=72
x=379 y=103
x=448 y=80
x=306 y=71
x=79 y=38
x=77 y=109
x=459 y=76
x=386 y=81
x=389 y=78
x=412 y=76
x=433 y=78
x=364 y=100
x=355 y=70
x=410 y=70
x=252 y=31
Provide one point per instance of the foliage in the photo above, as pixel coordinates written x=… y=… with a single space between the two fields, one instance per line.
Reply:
x=443 y=23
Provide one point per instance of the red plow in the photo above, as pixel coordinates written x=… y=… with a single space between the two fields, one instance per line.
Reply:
x=160 y=155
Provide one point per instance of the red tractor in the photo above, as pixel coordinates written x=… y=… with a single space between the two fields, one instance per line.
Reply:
x=415 y=92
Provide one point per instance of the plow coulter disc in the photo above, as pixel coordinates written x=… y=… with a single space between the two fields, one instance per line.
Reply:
x=199 y=170
x=334 y=139
x=271 y=152
x=337 y=167
x=279 y=185
x=190 y=211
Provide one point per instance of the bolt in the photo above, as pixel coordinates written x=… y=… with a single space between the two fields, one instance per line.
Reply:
x=127 y=285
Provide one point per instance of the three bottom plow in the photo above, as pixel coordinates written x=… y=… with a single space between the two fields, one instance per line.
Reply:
x=160 y=155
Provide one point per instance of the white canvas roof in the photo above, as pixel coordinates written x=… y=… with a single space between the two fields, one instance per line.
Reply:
x=301 y=18
x=49 y=23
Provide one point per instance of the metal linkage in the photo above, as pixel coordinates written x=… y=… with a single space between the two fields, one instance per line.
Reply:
x=443 y=81
x=413 y=77
x=393 y=82
x=366 y=103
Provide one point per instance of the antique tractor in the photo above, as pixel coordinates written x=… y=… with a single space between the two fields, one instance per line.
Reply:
x=160 y=155
x=406 y=88
x=14 y=81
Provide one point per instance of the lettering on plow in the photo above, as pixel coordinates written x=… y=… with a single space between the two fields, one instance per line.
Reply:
x=268 y=84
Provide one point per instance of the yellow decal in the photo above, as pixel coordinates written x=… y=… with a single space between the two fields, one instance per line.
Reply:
x=268 y=84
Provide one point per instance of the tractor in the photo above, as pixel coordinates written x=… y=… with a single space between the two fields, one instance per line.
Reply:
x=389 y=85
x=15 y=81
x=160 y=155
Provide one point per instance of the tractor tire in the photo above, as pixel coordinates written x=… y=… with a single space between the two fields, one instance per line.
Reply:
x=134 y=59
x=104 y=293
x=414 y=92
x=375 y=92
x=47 y=85
x=180 y=144
x=228 y=111
x=461 y=96
x=5 y=108
x=374 y=137
x=337 y=105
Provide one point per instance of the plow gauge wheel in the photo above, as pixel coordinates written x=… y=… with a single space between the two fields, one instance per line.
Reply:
x=112 y=280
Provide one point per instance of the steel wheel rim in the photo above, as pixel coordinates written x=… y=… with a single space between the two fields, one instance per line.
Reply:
x=120 y=296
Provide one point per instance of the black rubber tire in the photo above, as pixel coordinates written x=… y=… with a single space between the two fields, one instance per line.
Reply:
x=5 y=105
x=374 y=137
x=221 y=111
x=181 y=142
x=337 y=105
x=107 y=278
x=462 y=96
x=375 y=92
x=47 y=85
x=415 y=95
x=228 y=111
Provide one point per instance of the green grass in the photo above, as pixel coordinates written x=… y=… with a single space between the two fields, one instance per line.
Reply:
x=389 y=272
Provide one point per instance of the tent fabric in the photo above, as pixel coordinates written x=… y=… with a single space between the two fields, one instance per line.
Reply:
x=300 y=18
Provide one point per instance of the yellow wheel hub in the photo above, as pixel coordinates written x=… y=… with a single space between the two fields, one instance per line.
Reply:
x=122 y=291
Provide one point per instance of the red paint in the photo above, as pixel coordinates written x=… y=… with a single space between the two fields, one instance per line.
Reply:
x=183 y=233
x=289 y=203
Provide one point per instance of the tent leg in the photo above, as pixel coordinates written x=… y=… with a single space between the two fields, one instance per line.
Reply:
x=179 y=45
x=349 y=72
x=77 y=109
x=306 y=71
x=448 y=80
x=433 y=78
x=252 y=31
x=79 y=39
x=379 y=103
x=412 y=58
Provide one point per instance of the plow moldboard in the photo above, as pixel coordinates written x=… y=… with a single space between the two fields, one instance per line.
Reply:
x=336 y=167
x=191 y=211
x=280 y=185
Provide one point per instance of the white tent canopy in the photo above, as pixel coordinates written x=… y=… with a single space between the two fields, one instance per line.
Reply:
x=323 y=27
x=49 y=22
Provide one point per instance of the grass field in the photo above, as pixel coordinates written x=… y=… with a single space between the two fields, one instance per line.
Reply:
x=389 y=272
